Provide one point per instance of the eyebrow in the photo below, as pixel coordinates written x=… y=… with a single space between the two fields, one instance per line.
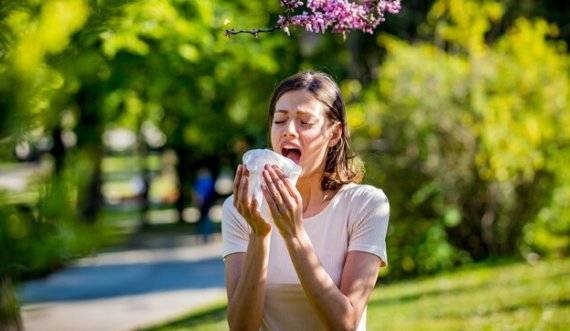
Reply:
x=302 y=112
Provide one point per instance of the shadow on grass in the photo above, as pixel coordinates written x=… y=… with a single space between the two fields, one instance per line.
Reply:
x=419 y=295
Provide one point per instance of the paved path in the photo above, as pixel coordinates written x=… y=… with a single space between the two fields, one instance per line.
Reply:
x=125 y=290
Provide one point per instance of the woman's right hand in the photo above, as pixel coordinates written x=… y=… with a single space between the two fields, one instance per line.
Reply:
x=248 y=208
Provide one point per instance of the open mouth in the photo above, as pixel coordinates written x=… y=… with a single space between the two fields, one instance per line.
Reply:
x=293 y=154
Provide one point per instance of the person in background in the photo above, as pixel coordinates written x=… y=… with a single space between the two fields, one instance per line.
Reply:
x=204 y=196
x=314 y=264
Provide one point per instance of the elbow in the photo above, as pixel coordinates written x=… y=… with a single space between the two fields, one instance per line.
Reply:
x=346 y=323
x=348 y=326
x=343 y=327
x=237 y=323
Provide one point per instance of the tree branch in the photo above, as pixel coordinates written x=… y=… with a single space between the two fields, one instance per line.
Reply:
x=253 y=32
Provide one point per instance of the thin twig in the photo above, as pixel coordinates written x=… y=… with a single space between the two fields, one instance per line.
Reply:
x=253 y=32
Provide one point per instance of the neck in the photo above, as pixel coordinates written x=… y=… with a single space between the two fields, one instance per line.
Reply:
x=311 y=191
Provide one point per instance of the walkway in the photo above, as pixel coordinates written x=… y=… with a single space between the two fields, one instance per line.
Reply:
x=126 y=290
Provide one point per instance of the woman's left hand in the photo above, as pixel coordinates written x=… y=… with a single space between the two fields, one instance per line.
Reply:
x=284 y=201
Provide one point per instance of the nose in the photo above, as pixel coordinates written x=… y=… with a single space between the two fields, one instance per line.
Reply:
x=290 y=129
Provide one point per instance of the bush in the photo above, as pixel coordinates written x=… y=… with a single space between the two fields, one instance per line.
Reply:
x=468 y=140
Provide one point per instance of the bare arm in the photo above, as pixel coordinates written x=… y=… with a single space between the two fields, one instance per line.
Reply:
x=246 y=273
x=338 y=308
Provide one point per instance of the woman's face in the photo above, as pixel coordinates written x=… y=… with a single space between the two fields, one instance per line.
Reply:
x=301 y=131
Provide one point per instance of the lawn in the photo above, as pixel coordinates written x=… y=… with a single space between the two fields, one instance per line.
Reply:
x=516 y=296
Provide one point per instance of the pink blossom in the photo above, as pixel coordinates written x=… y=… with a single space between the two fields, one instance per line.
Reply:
x=340 y=16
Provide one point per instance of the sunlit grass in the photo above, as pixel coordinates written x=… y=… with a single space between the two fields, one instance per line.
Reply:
x=515 y=296
x=510 y=297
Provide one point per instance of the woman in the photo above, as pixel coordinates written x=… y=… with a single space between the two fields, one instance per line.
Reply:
x=315 y=264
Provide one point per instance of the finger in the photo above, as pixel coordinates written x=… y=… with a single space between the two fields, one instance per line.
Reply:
x=276 y=195
x=258 y=223
x=237 y=182
x=280 y=173
x=285 y=187
x=245 y=190
x=271 y=186
x=243 y=202
x=273 y=207
x=287 y=203
x=291 y=189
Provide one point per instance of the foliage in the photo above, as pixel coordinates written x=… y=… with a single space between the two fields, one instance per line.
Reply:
x=32 y=32
x=78 y=67
x=196 y=74
x=36 y=240
x=467 y=139
x=172 y=67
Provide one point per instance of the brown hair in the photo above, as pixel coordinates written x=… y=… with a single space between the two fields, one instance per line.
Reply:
x=342 y=165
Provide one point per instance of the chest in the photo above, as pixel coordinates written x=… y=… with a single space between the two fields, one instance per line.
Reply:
x=329 y=234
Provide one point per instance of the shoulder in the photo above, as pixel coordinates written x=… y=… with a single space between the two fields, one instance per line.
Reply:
x=229 y=212
x=228 y=203
x=364 y=202
x=363 y=193
x=231 y=218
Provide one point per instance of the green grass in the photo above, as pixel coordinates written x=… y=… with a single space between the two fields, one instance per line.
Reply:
x=515 y=296
x=508 y=297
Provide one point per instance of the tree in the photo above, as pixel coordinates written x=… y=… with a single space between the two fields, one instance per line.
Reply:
x=196 y=79
x=31 y=34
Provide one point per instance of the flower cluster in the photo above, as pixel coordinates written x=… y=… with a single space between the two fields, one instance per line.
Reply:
x=340 y=16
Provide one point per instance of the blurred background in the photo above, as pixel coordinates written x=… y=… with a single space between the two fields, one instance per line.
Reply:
x=130 y=116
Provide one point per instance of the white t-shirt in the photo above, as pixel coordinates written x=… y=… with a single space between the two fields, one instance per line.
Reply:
x=355 y=220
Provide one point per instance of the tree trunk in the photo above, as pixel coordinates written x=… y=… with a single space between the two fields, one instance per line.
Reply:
x=145 y=176
x=10 y=319
x=89 y=143
x=183 y=173
x=91 y=197
x=58 y=151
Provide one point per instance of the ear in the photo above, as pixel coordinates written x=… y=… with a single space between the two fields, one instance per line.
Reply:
x=336 y=134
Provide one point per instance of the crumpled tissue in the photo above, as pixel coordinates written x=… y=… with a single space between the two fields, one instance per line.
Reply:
x=255 y=161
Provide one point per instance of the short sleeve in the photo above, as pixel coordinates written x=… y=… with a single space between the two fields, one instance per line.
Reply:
x=369 y=222
x=235 y=230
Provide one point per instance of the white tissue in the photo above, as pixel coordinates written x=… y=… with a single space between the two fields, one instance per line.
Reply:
x=255 y=161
